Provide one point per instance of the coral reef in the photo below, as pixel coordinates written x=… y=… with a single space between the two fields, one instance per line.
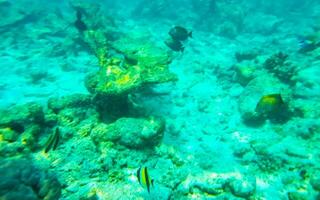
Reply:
x=242 y=121
x=143 y=64
x=135 y=64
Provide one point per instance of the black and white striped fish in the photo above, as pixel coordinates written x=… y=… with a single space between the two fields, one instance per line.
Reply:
x=144 y=178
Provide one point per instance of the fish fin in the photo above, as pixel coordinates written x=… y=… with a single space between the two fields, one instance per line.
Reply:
x=147 y=179
x=152 y=182
x=190 y=34
x=138 y=174
x=281 y=99
x=56 y=139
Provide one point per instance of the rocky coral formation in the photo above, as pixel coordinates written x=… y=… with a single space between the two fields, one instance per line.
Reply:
x=22 y=124
x=21 y=180
x=223 y=185
x=280 y=67
x=126 y=66
x=130 y=132
x=142 y=63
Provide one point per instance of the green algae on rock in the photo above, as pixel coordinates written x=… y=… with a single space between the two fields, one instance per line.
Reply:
x=20 y=127
x=143 y=64
x=136 y=133
x=126 y=66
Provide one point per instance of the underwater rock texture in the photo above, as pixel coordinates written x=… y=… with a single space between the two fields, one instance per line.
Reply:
x=19 y=118
x=14 y=14
x=21 y=180
x=23 y=124
x=207 y=152
x=130 y=132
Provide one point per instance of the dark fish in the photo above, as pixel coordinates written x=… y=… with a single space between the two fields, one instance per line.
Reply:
x=79 y=24
x=179 y=33
x=175 y=45
x=144 y=178
x=53 y=141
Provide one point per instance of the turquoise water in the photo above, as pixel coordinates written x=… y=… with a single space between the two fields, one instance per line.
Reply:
x=180 y=99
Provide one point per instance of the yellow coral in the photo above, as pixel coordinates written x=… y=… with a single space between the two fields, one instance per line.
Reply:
x=123 y=79
x=102 y=58
x=113 y=70
x=269 y=100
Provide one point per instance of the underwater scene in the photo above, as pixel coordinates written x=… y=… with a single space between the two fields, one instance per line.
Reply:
x=160 y=100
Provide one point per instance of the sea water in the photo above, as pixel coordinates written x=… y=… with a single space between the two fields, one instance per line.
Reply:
x=217 y=99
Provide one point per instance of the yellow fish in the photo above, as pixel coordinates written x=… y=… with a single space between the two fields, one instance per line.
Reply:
x=144 y=178
x=270 y=103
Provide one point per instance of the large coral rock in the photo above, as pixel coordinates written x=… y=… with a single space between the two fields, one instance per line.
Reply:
x=130 y=132
x=143 y=63
x=21 y=180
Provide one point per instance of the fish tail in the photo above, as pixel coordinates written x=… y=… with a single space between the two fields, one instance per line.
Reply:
x=138 y=174
x=56 y=139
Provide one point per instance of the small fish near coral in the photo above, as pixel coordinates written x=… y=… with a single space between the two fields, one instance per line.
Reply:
x=174 y=45
x=53 y=141
x=179 y=33
x=270 y=104
x=144 y=178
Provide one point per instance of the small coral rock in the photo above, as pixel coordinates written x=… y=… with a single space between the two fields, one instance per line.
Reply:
x=244 y=74
x=244 y=187
x=130 y=132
